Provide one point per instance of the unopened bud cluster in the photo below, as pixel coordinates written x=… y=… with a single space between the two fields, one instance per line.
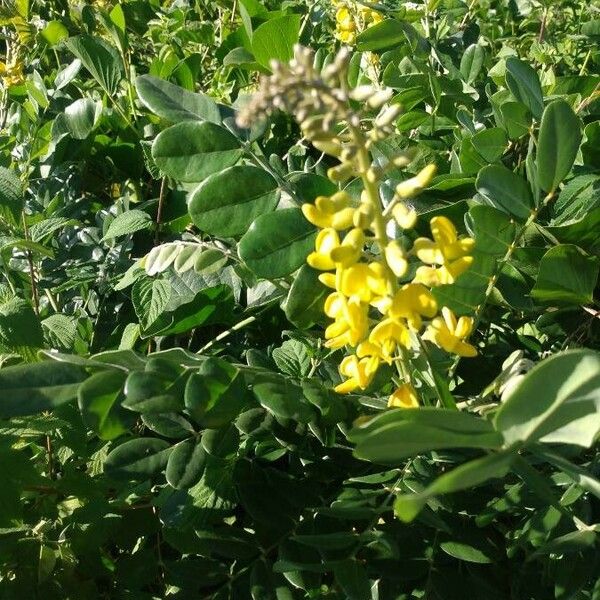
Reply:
x=320 y=102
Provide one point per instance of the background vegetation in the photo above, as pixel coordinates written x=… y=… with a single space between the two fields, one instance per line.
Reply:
x=168 y=426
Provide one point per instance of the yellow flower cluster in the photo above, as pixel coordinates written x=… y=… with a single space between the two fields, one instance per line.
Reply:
x=351 y=18
x=11 y=73
x=372 y=310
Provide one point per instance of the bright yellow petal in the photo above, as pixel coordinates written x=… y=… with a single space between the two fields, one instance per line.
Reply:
x=404 y=397
x=354 y=281
x=346 y=387
x=321 y=262
x=459 y=266
x=327 y=279
x=367 y=349
x=316 y=217
x=327 y=240
x=465 y=349
x=334 y=305
x=336 y=329
x=428 y=251
x=443 y=231
x=449 y=318
x=396 y=258
x=405 y=217
x=343 y=219
x=349 y=366
x=428 y=276
x=464 y=327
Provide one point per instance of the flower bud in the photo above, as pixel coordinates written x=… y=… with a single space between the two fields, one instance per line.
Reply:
x=332 y=147
x=388 y=115
x=363 y=216
x=362 y=93
x=413 y=186
x=380 y=97
x=341 y=173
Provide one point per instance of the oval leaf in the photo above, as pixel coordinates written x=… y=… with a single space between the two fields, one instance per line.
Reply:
x=277 y=243
x=559 y=139
x=226 y=203
x=505 y=190
x=191 y=151
x=186 y=464
x=137 y=459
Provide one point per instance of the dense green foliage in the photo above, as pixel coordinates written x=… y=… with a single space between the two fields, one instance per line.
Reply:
x=167 y=421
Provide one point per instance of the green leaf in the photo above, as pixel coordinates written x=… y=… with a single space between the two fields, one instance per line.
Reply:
x=575 y=541
x=61 y=330
x=127 y=223
x=558 y=401
x=524 y=84
x=81 y=117
x=215 y=394
x=577 y=199
x=283 y=398
x=558 y=142
x=516 y=118
x=100 y=59
x=472 y=62
x=277 y=243
x=186 y=464
x=192 y=150
x=150 y=297
x=33 y=388
x=11 y=197
x=386 y=34
x=55 y=32
x=20 y=328
x=505 y=190
x=592 y=140
x=147 y=393
x=395 y=435
x=305 y=300
x=591 y=28
x=580 y=476
x=226 y=203
x=275 y=39
x=175 y=104
x=468 y=475
x=566 y=276
x=490 y=144
x=352 y=578
x=168 y=424
x=99 y=399
x=137 y=459
x=292 y=358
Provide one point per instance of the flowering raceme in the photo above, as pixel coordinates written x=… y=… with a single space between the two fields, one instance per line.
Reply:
x=377 y=311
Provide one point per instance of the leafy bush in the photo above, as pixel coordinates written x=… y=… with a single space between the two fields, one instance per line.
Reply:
x=280 y=320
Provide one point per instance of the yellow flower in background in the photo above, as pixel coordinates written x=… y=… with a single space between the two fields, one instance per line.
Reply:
x=404 y=397
x=449 y=333
x=12 y=73
x=447 y=255
x=352 y=18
